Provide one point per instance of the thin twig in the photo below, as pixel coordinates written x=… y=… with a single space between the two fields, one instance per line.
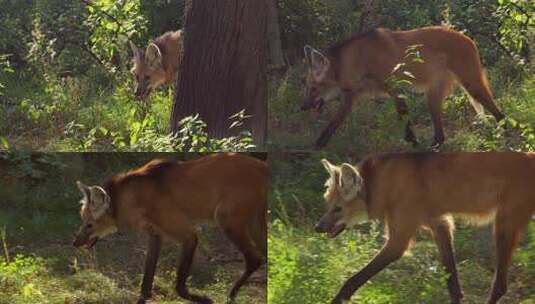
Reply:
x=4 y=244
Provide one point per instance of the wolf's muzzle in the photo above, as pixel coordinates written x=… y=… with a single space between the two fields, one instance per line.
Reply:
x=313 y=103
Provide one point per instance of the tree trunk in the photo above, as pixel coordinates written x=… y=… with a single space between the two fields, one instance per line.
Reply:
x=223 y=66
x=369 y=18
x=276 y=57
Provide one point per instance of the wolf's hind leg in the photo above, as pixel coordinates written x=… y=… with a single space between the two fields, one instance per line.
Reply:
x=507 y=232
x=188 y=251
x=240 y=234
x=442 y=230
x=184 y=232
x=435 y=96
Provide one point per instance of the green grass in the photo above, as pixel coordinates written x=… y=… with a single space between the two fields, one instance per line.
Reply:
x=39 y=206
x=49 y=114
x=311 y=267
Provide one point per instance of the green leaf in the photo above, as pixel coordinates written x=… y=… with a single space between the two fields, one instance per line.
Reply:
x=4 y=143
x=235 y=123
x=409 y=74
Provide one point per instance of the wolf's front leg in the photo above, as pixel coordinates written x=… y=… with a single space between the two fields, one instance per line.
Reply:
x=151 y=260
x=189 y=244
x=392 y=251
x=343 y=112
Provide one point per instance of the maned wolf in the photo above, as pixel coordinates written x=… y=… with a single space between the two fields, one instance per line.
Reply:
x=157 y=65
x=359 y=67
x=413 y=190
x=167 y=198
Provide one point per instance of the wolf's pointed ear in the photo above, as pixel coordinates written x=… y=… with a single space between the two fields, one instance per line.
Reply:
x=328 y=166
x=100 y=201
x=320 y=65
x=307 y=50
x=83 y=188
x=135 y=50
x=153 y=55
x=349 y=176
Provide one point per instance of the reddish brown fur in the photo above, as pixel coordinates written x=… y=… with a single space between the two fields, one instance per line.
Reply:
x=196 y=189
x=149 y=75
x=169 y=44
x=360 y=66
x=167 y=198
x=412 y=190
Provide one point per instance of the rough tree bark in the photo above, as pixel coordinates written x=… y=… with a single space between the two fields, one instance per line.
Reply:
x=223 y=66
x=370 y=15
x=276 y=57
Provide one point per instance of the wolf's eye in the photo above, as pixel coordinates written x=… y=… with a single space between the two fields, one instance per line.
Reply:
x=89 y=226
x=337 y=209
x=147 y=77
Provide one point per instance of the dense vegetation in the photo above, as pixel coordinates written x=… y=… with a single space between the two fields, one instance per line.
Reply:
x=306 y=267
x=65 y=84
x=39 y=205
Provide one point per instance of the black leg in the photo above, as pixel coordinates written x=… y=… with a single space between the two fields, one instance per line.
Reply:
x=188 y=252
x=393 y=249
x=343 y=111
x=253 y=259
x=151 y=260
x=442 y=233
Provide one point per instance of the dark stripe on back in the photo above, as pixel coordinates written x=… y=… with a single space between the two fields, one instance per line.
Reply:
x=335 y=49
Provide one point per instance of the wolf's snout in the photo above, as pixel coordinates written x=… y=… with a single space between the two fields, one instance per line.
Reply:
x=320 y=228
x=305 y=106
x=138 y=93
x=141 y=94
x=313 y=104
x=76 y=242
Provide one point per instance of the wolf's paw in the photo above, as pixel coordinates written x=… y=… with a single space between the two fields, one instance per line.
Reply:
x=205 y=300
x=141 y=301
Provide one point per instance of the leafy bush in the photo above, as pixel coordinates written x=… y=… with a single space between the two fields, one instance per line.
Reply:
x=112 y=24
x=4 y=68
